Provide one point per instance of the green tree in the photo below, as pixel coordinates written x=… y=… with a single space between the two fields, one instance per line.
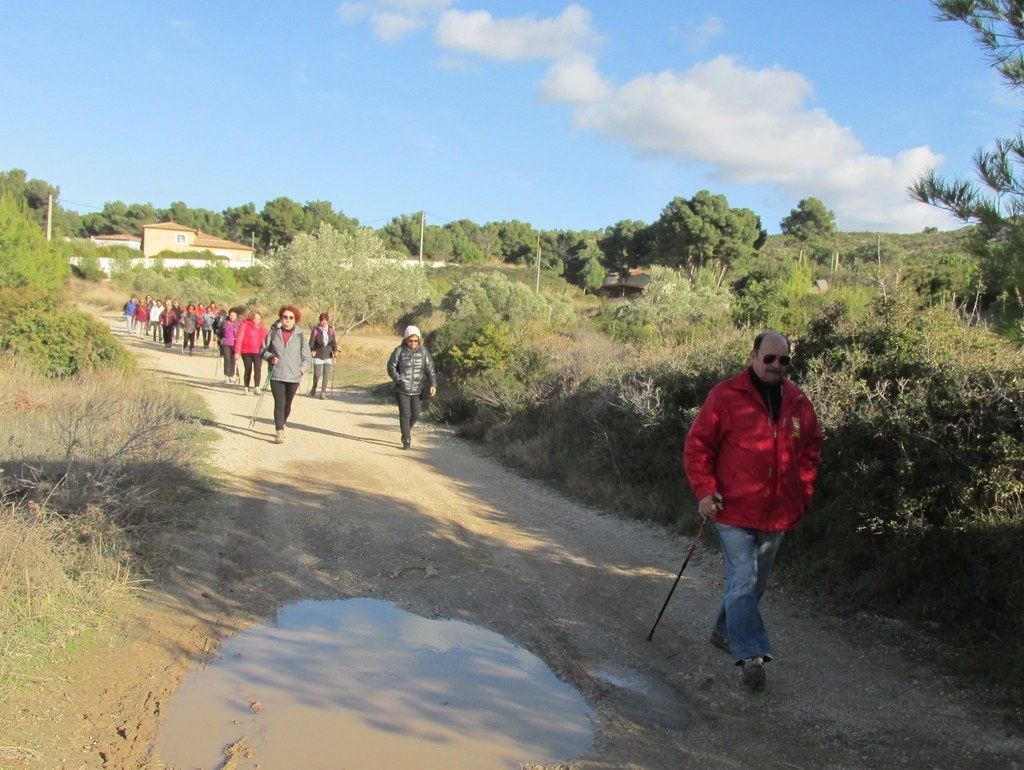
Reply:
x=691 y=234
x=402 y=234
x=591 y=274
x=282 y=219
x=139 y=214
x=998 y=206
x=112 y=219
x=37 y=196
x=563 y=251
x=321 y=212
x=580 y=257
x=464 y=238
x=626 y=245
x=810 y=221
x=437 y=244
x=517 y=242
x=27 y=260
x=345 y=273
x=242 y=224
x=488 y=239
x=203 y=220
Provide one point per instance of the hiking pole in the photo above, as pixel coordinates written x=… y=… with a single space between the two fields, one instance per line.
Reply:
x=689 y=553
x=334 y=363
x=266 y=384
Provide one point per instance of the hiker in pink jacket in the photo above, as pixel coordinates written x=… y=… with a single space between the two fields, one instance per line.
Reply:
x=248 y=346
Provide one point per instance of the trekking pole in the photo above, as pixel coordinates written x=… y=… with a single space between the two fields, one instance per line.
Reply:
x=266 y=384
x=334 y=363
x=689 y=553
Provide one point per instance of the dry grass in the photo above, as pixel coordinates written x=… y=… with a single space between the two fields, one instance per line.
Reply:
x=91 y=469
x=92 y=295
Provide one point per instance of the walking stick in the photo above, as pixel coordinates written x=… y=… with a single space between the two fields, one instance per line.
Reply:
x=334 y=363
x=266 y=384
x=689 y=553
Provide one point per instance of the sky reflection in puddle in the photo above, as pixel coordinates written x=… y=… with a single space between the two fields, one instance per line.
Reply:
x=361 y=684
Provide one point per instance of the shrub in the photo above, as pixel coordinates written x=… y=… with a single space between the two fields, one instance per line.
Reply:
x=54 y=339
x=614 y=436
x=919 y=506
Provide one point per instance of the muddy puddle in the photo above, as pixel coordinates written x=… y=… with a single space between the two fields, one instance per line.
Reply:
x=362 y=684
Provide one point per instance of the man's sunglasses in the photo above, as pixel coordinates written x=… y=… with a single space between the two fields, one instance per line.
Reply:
x=770 y=359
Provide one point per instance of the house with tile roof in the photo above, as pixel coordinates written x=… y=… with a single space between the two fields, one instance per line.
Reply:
x=170 y=236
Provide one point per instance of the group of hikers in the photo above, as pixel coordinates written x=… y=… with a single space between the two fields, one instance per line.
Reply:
x=751 y=455
x=167 y=320
x=245 y=343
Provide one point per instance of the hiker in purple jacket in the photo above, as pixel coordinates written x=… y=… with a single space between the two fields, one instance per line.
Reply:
x=227 y=346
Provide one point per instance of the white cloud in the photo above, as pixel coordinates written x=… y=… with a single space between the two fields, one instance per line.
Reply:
x=392 y=20
x=575 y=80
x=701 y=36
x=350 y=13
x=743 y=126
x=526 y=37
x=755 y=127
x=392 y=27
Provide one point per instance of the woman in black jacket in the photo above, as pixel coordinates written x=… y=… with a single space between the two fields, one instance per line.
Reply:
x=411 y=368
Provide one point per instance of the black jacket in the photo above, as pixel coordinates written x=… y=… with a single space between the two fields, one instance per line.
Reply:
x=411 y=370
x=323 y=347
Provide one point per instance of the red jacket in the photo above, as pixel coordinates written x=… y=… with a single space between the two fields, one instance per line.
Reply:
x=763 y=470
x=249 y=337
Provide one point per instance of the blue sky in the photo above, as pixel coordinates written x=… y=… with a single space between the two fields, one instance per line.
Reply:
x=563 y=115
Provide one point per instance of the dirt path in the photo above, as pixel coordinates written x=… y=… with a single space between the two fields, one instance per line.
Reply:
x=339 y=511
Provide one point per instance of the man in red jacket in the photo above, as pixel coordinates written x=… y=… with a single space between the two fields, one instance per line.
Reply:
x=751 y=457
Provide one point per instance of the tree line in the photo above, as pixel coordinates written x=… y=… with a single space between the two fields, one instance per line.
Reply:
x=689 y=233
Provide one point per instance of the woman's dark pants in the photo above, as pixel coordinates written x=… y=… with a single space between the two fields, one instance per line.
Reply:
x=408 y=414
x=253 y=369
x=283 y=392
x=227 y=352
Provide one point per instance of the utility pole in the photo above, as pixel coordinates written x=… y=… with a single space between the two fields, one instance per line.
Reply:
x=49 y=215
x=422 y=217
x=538 y=263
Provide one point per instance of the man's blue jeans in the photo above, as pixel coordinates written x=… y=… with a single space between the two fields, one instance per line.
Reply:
x=749 y=554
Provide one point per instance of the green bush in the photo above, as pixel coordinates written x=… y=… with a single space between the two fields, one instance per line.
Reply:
x=88 y=268
x=919 y=506
x=615 y=437
x=55 y=340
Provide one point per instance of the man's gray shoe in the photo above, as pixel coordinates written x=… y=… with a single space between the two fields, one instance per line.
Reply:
x=752 y=675
x=720 y=642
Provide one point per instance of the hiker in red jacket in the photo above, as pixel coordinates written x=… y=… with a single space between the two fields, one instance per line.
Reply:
x=751 y=457
x=248 y=346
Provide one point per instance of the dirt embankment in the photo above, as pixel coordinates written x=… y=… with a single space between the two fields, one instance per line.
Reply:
x=340 y=511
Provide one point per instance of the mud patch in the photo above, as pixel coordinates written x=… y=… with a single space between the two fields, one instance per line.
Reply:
x=360 y=684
